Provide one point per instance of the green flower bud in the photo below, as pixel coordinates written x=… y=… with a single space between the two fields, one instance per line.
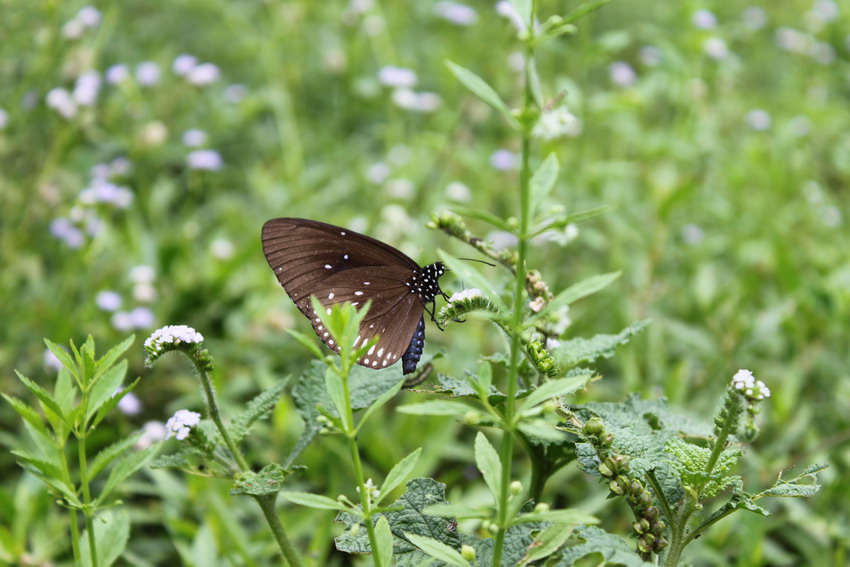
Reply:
x=516 y=487
x=541 y=507
x=594 y=426
x=605 y=470
x=467 y=552
x=616 y=487
x=355 y=529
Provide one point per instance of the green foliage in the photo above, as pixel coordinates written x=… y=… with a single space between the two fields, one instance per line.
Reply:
x=691 y=462
x=614 y=549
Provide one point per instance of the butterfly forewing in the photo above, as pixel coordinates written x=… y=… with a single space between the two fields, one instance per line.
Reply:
x=336 y=265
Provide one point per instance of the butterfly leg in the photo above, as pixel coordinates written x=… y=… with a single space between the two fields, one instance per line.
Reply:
x=431 y=313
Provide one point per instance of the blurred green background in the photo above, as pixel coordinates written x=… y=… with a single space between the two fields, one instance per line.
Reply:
x=142 y=146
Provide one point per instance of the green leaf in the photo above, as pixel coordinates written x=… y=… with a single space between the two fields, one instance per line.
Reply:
x=575 y=351
x=384 y=540
x=106 y=386
x=584 y=9
x=543 y=181
x=790 y=490
x=30 y=416
x=128 y=465
x=541 y=431
x=49 y=473
x=546 y=543
x=482 y=90
x=438 y=550
x=435 y=407
x=108 y=360
x=523 y=8
x=260 y=407
x=399 y=473
x=483 y=216
x=559 y=222
x=456 y=511
x=377 y=404
x=557 y=388
x=307 y=342
x=577 y=291
x=472 y=278
x=111 y=402
x=112 y=452
x=268 y=481
x=52 y=410
x=111 y=534
x=574 y=517
x=335 y=388
x=64 y=358
x=314 y=501
x=487 y=461
x=614 y=549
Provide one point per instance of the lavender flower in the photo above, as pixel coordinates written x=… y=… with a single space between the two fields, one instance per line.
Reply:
x=181 y=424
x=208 y=160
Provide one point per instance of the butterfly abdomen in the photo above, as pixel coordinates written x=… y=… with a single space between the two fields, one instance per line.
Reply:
x=414 y=350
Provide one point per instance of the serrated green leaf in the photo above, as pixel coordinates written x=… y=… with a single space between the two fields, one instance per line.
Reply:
x=438 y=550
x=570 y=516
x=543 y=181
x=269 y=480
x=108 y=360
x=614 y=549
x=315 y=501
x=472 y=278
x=435 y=407
x=260 y=407
x=111 y=402
x=111 y=534
x=487 y=461
x=482 y=90
x=65 y=358
x=540 y=430
x=106 y=386
x=399 y=473
x=577 y=291
x=788 y=490
x=49 y=473
x=51 y=408
x=112 y=452
x=384 y=541
x=456 y=511
x=546 y=543
x=584 y=9
x=29 y=415
x=557 y=388
x=336 y=392
x=377 y=404
x=575 y=351
x=126 y=466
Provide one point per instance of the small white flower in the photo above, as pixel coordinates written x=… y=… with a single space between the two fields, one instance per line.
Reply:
x=504 y=160
x=758 y=119
x=400 y=188
x=154 y=133
x=144 y=292
x=122 y=321
x=51 y=361
x=4 y=119
x=62 y=102
x=650 y=55
x=754 y=17
x=108 y=300
x=552 y=344
x=704 y=19
x=194 y=138
x=142 y=273
x=147 y=73
x=173 y=334
x=117 y=73
x=622 y=74
x=183 y=64
x=86 y=88
x=152 y=432
x=457 y=191
x=506 y=9
x=89 y=16
x=466 y=294
x=208 y=160
x=373 y=490
x=456 y=13
x=406 y=99
x=397 y=77
x=378 y=172
x=73 y=29
x=715 y=48
x=130 y=404
x=222 y=248
x=557 y=123
x=141 y=318
x=180 y=424
x=204 y=74
x=753 y=389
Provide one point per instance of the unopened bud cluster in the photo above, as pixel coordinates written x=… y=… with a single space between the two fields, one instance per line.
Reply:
x=453 y=225
x=543 y=362
x=648 y=526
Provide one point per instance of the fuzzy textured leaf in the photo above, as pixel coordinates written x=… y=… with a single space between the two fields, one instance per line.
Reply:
x=577 y=291
x=578 y=350
x=614 y=549
x=268 y=481
x=111 y=534
x=260 y=407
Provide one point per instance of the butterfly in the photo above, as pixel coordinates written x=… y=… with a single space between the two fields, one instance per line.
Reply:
x=312 y=258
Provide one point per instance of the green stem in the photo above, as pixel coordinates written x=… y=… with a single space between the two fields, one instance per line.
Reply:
x=88 y=511
x=75 y=528
x=507 y=446
x=265 y=501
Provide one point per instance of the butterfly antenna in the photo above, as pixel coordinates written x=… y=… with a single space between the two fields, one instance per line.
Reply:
x=479 y=261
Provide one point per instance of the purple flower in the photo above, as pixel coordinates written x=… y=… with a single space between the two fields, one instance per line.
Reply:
x=208 y=160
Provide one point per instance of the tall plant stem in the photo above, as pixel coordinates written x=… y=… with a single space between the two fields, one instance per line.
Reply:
x=266 y=502
x=506 y=449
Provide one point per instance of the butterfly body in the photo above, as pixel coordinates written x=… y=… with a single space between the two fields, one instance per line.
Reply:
x=311 y=258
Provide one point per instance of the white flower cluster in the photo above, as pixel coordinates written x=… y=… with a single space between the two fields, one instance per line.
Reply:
x=374 y=491
x=557 y=123
x=465 y=295
x=753 y=389
x=180 y=424
x=172 y=335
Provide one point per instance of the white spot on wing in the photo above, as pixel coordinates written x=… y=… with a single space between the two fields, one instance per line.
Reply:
x=330 y=295
x=371 y=350
x=365 y=361
x=328 y=266
x=358 y=293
